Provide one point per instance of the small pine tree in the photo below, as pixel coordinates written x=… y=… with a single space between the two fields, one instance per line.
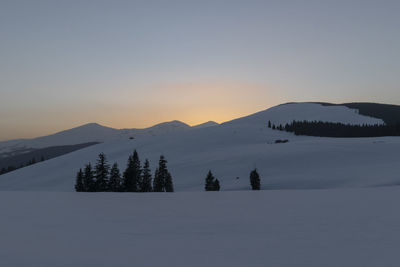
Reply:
x=146 y=178
x=88 y=179
x=157 y=182
x=273 y=127
x=132 y=174
x=209 y=186
x=102 y=170
x=269 y=124
x=169 y=186
x=115 y=179
x=162 y=178
x=79 y=187
x=255 y=180
x=217 y=186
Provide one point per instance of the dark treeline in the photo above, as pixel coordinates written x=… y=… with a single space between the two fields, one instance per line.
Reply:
x=135 y=178
x=330 y=129
x=13 y=168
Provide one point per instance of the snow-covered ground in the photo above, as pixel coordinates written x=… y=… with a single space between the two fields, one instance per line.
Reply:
x=294 y=228
x=343 y=224
x=233 y=149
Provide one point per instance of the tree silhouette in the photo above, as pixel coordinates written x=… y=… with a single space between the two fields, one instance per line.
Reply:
x=79 y=187
x=146 y=178
x=255 y=180
x=115 y=179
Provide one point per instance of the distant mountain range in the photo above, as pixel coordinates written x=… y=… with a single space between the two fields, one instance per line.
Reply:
x=20 y=152
x=231 y=150
x=91 y=132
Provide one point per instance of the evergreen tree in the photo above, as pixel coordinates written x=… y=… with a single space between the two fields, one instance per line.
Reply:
x=217 y=186
x=102 y=170
x=132 y=174
x=145 y=185
x=169 y=186
x=115 y=179
x=162 y=178
x=79 y=187
x=269 y=124
x=157 y=182
x=255 y=180
x=209 y=182
x=88 y=179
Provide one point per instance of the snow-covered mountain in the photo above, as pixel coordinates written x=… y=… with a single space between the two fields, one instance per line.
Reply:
x=205 y=125
x=91 y=132
x=233 y=148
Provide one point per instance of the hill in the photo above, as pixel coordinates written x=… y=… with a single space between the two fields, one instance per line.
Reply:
x=234 y=148
x=390 y=114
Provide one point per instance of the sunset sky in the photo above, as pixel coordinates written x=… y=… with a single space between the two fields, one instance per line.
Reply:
x=132 y=64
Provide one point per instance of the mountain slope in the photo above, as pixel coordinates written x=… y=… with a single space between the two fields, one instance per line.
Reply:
x=87 y=133
x=234 y=148
x=390 y=114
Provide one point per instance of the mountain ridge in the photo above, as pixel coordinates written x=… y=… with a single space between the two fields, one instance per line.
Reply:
x=231 y=150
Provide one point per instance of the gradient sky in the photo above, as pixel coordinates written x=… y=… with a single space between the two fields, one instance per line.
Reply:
x=129 y=64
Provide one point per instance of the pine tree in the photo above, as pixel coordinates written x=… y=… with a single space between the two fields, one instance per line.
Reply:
x=88 y=179
x=217 y=186
x=169 y=186
x=79 y=187
x=255 y=180
x=157 y=182
x=132 y=173
x=146 y=178
x=115 y=179
x=102 y=170
x=209 y=182
x=269 y=124
x=162 y=178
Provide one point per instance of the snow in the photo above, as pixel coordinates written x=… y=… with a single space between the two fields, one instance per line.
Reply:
x=205 y=125
x=91 y=132
x=295 y=228
x=231 y=151
x=287 y=113
x=353 y=220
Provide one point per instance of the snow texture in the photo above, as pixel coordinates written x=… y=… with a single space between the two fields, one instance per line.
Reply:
x=295 y=228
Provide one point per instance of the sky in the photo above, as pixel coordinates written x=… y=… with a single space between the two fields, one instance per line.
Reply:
x=132 y=64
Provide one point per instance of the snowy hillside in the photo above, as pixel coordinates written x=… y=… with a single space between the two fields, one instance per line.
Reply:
x=91 y=132
x=287 y=113
x=232 y=149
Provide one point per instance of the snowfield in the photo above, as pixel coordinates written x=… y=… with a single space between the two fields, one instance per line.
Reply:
x=231 y=150
x=353 y=220
x=294 y=228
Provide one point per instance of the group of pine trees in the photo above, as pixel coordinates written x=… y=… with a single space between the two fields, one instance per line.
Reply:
x=212 y=183
x=102 y=178
x=331 y=129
